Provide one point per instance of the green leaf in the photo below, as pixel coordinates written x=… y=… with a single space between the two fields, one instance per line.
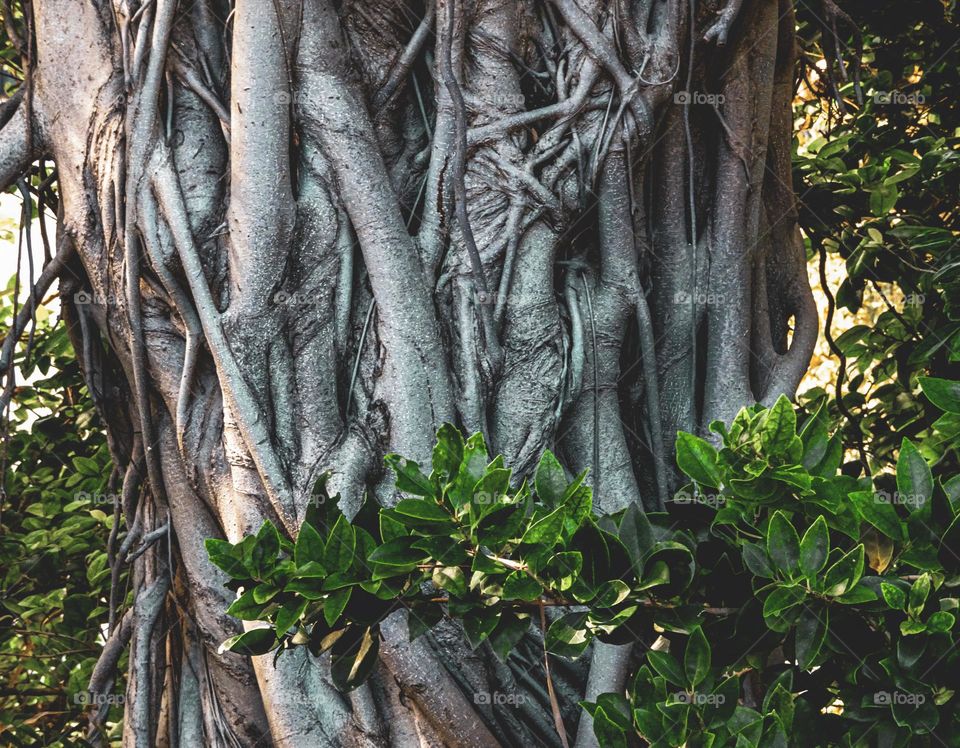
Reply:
x=811 y=634
x=879 y=513
x=814 y=548
x=665 y=664
x=425 y=510
x=894 y=596
x=448 y=451
x=424 y=615
x=479 y=623
x=757 y=561
x=779 y=427
x=782 y=599
x=941 y=622
x=335 y=603
x=508 y=633
x=227 y=557
x=289 y=614
x=353 y=657
x=944 y=393
x=520 y=586
x=338 y=553
x=265 y=549
x=250 y=643
x=918 y=594
x=696 y=658
x=452 y=579
x=550 y=481
x=698 y=459
x=783 y=544
x=410 y=479
x=546 y=530
x=490 y=490
x=246 y=608
x=309 y=546
x=567 y=636
x=399 y=552
x=914 y=480
x=472 y=467
x=845 y=573
x=912 y=626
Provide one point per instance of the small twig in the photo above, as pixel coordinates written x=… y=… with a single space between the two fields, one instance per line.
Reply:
x=554 y=704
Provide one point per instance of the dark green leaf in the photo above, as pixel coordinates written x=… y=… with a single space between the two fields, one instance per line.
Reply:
x=814 y=548
x=309 y=546
x=696 y=658
x=698 y=459
x=409 y=477
x=783 y=544
x=254 y=642
x=944 y=393
x=550 y=481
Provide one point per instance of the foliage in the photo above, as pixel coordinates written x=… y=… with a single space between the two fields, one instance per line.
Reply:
x=462 y=542
x=798 y=606
x=56 y=519
x=877 y=186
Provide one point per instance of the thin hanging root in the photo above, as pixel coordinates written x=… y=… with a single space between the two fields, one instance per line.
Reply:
x=145 y=111
x=554 y=704
x=832 y=54
x=187 y=74
x=356 y=362
x=48 y=275
x=509 y=258
x=401 y=68
x=576 y=340
x=131 y=482
x=236 y=391
x=149 y=603
x=184 y=307
x=458 y=177
x=106 y=663
x=596 y=389
x=648 y=351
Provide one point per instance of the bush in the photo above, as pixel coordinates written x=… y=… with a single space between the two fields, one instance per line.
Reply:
x=779 y=602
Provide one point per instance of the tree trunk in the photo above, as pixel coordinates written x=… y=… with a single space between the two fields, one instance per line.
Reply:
x=302 y=234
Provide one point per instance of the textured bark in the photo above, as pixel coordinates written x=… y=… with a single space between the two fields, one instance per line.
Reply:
x=311 y=232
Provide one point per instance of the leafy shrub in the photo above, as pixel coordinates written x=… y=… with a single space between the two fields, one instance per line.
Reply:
x=780 y=602
x=56 y=513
